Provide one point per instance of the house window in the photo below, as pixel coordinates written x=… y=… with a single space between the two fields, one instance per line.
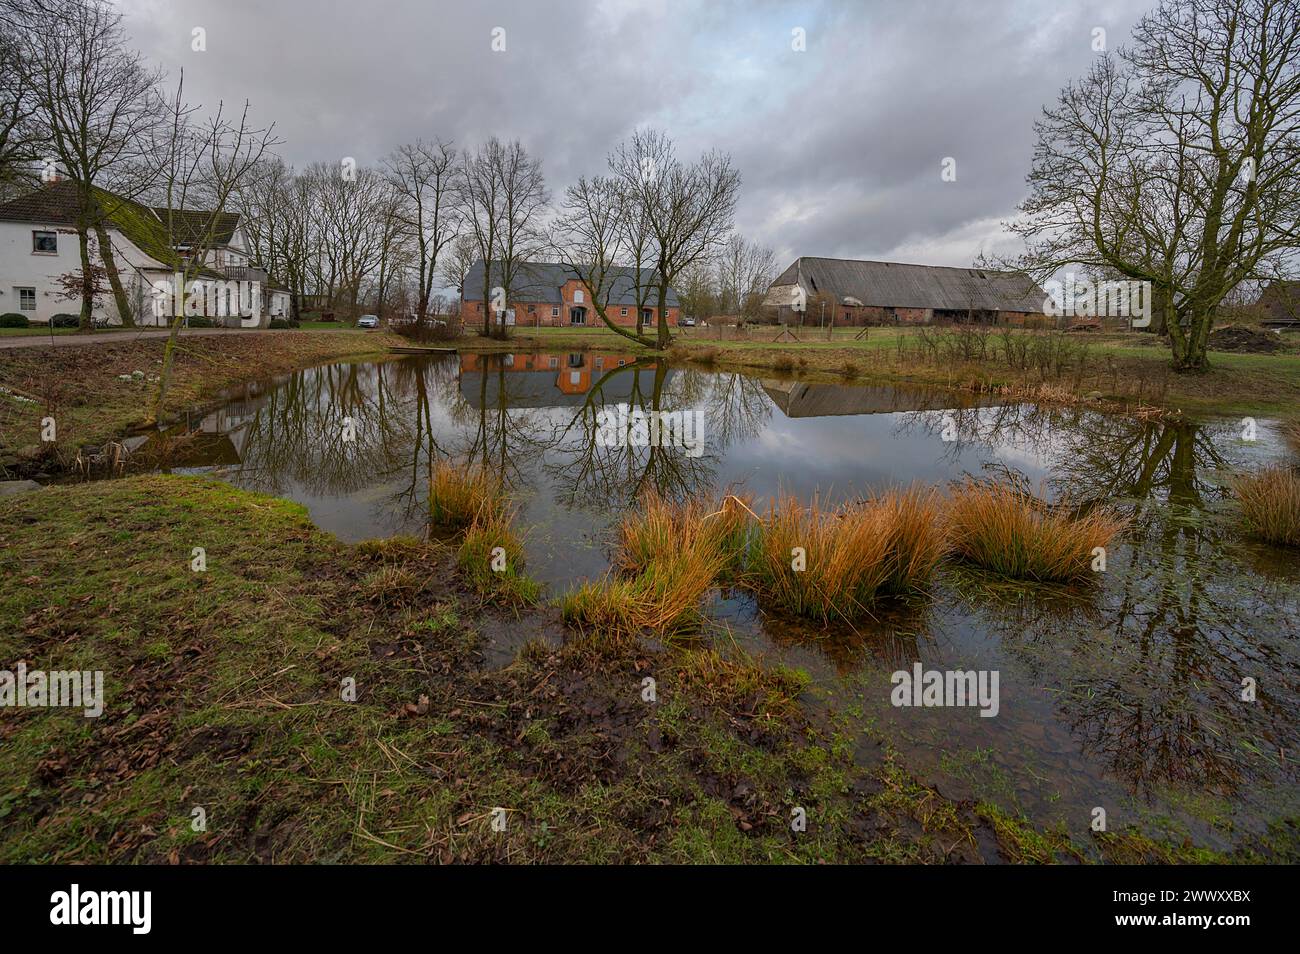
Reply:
x=555 y=362
x=555 y=311
x=26 y=299
x=478 y=307
x=45 y=243
x=622 y=312
x=532 y=309
x=577 y=296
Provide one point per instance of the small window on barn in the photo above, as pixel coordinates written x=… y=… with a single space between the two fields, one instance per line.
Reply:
x=555 y=362
x=45 y=243
x=622 y=312
x=577 y=296
x=26 y=299
x=555 y=311
x=532 y=309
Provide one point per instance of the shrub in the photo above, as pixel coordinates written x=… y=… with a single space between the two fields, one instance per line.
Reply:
x=279 y=324
x=199 y=321
x=849 y=370
x=65 y=320
x=1270 y=504
x=458 y=494
x=1008 y=530
x=783 y=362
x=13 y=320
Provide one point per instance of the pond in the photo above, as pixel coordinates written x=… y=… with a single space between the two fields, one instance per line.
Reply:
x=1124 y=695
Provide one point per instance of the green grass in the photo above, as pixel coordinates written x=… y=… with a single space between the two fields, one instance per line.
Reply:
x=225 y=691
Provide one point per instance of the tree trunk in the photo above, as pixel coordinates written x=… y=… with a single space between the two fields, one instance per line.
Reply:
x=114 y=279
x=87 y=278
x=664 y=337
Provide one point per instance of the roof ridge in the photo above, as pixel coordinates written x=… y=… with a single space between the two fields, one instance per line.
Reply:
x=881 y=261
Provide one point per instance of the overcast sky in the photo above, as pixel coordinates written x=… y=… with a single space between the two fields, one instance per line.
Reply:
x=840 y=146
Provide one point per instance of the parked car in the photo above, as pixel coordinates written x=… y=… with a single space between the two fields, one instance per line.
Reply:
x=368 y=321
x=687 y=322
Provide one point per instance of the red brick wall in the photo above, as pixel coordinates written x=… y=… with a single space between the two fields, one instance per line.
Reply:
x=472 y=310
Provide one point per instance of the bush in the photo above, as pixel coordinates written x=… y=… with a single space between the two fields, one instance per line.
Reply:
x=280 y=324
x=1270 y=504
x=14 y=320
x=198 y=321
x=64 y=320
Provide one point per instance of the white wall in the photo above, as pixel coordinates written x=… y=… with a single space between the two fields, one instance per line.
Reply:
x=20 y=267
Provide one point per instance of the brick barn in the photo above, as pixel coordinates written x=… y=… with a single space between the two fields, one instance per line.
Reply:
x=550 y=294
x=889 y=293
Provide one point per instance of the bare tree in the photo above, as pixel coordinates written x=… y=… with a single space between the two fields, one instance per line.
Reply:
x=457 y=261
x=745 y=269
x=1176 y=162
x=589 y=240
x=18 y=135
x=689 y=208
x=426 y=177
x=96 y=103
x=503 y=195
x=204 y=165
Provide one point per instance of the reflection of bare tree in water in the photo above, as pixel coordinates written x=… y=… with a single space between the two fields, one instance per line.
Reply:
x=497 y=433
x=586 y=473
x=1149 y=676
x=299 y=430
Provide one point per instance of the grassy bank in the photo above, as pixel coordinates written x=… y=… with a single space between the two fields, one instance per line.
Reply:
x=225 y=692
x=84 y=390
x=1118 y=371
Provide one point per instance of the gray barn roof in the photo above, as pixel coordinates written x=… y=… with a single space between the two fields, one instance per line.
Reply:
x=895 y=285
x=541 y=282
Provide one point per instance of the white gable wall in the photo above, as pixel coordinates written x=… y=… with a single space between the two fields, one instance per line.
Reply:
x=21 y=267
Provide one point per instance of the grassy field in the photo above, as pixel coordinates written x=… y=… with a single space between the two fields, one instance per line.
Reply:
x=1120 y=371
x=83 y=390
x=225 y=700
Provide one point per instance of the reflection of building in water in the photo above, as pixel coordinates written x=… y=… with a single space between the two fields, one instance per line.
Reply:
x=217 y=438
x=802 y=399
x=540 y=379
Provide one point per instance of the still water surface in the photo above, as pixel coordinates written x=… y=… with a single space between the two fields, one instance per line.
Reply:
x=1123 y=695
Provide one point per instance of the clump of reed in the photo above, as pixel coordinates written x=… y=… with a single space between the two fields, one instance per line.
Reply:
x=1270 y=504
x=669 y=555
x=491 y=555
x=835 y=564
x=1008 y=530
x=458 y=494
x=659 y=528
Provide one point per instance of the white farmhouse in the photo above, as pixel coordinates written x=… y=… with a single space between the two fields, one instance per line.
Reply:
x=40 y=258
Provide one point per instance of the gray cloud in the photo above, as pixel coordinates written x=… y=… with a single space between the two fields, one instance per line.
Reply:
x=840 y=146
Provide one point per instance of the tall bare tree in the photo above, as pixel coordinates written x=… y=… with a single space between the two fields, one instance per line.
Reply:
x=426 y=177
x=204 y=164
x=689 y=208
x=589 y=239
x=744 y=269
x=1176 y=162
x=503 y=196
x=96 y=105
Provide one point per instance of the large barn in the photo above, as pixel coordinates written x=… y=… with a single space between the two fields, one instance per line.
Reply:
x=874 y=293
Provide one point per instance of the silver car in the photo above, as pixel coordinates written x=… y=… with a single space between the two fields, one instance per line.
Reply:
x=368 y=321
